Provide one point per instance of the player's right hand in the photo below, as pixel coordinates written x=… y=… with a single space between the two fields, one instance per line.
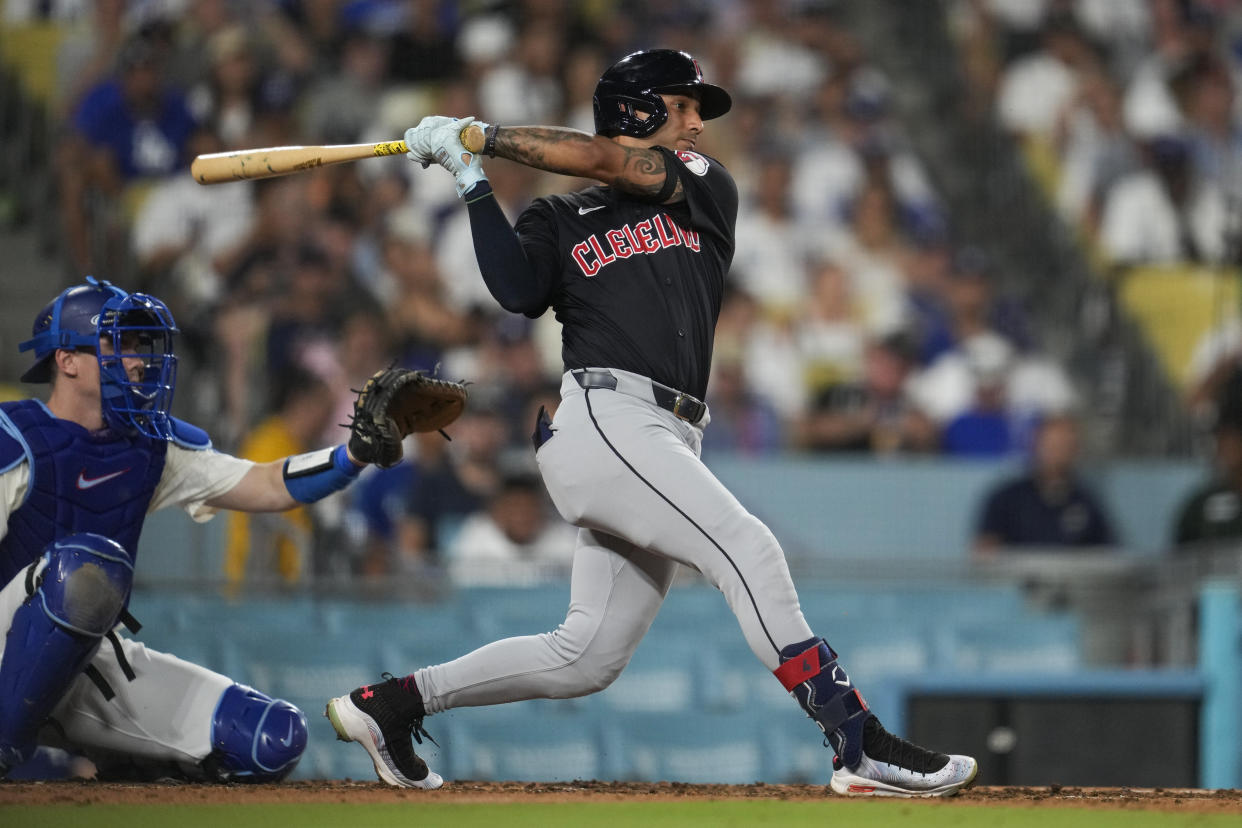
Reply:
x=420 y=140
x=452 y=154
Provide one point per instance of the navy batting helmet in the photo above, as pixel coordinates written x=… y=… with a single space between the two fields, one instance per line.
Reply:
x=134 y=325
x=634 y=84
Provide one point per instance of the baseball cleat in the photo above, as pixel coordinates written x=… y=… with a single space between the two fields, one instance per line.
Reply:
x=891 y=766
x=386 y=719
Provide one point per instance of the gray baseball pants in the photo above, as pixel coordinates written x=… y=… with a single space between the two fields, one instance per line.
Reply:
x=628 y=474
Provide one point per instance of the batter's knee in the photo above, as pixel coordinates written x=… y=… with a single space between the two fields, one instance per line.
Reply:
x=254 y=738
x=589 y=669
x=86 y=583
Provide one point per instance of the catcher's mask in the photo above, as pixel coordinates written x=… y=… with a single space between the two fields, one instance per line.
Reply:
x=634 y=84
x=116 y=326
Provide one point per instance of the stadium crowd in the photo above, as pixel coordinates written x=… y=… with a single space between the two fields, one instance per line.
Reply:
x=855 y=320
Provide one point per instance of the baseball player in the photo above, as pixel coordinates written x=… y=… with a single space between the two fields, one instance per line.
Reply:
x=634 y=270
x=77 y=476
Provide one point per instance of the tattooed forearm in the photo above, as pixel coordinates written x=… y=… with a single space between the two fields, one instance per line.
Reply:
x=546 y=148
x=636 y=170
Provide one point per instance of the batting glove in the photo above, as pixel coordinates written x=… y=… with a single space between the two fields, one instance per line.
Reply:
x=448 y=151
x=418 y=139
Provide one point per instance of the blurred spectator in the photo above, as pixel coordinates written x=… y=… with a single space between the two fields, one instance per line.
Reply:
x=422 y=50
x=1214 y=510
x=1095 y=150
x=1036 y=88
x=340 y=105
x=260 y=547
x=451 y=480
x=1165 y=213
x=1048 y=505
x=874 y=254
x=418 y=309
x=1180 y=30
x=524 y=86
x=772 y=250
x=952 y=310
x=850 y=141
x=127 y=127
x=1205 y=92
x=829 y=331
x=308 y=308
x=184 y=232
x=874 y=414
x=227 y=99
x=985 y=397
x=88 y=51
x=742 y=421
x=515 y=541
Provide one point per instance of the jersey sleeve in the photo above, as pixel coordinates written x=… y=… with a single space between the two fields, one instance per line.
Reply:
x=193 y=476
x=711 y=194
x=537 y=233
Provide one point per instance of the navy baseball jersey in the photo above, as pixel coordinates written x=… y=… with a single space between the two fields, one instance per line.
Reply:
x=636 y=285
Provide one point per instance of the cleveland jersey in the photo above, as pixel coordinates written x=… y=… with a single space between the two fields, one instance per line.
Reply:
x=636 y=285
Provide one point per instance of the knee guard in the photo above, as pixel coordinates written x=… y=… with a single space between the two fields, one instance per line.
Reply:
x=810 y=672
x=254 y=738
x=77 y=598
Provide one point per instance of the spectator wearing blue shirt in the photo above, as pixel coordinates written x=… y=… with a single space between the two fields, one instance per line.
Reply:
x=1049 y=506
x=128 y=127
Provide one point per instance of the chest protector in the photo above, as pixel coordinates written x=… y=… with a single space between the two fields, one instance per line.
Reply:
x=79 y=482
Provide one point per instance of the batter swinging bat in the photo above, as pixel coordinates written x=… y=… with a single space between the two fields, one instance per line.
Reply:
x=269 y=162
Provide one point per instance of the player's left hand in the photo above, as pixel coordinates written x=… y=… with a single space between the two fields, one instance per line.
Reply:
x=419 y=139
x=396 y=402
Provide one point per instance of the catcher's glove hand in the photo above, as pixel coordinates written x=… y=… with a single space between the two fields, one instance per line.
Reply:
x=396 y=402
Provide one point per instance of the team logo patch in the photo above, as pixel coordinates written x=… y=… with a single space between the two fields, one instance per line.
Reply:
x=694 y=162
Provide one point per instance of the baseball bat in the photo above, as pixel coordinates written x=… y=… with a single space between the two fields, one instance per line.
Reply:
x=269 y=162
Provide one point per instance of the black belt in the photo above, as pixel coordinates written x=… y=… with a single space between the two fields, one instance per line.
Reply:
x=682 y=405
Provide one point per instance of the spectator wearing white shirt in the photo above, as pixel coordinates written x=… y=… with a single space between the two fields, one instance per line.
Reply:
x=1164 y=214
x=514 y=541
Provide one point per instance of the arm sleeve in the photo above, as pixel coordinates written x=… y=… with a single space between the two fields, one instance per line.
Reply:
x=510 y=277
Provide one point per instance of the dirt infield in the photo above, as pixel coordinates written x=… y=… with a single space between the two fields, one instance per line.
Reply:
x=85 y=792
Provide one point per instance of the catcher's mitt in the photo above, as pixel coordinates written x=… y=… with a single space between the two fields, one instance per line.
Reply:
x=396 y=402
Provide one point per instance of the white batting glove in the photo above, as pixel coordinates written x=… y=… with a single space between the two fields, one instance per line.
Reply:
x=418 y=139
x=449 y=153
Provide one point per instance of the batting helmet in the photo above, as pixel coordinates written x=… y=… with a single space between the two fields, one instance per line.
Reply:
x=634 y=84
x=134 y=325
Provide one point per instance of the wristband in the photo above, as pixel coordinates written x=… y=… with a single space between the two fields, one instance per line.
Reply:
x=489 y=140
x=317 y=474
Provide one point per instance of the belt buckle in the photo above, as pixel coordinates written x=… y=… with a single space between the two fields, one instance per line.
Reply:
x=695 y=407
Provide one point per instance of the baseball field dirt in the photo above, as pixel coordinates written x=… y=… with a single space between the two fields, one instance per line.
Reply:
x=1178 y=800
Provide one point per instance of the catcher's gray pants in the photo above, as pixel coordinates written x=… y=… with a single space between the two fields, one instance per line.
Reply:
x=629 y=475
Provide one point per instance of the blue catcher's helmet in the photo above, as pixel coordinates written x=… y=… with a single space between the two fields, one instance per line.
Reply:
x=117 y=326
x=634 y=84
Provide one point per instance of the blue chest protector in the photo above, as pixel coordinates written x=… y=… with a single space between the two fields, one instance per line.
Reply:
x=80 y=481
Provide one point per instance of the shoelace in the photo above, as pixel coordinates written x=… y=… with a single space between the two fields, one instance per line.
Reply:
x=883 y=746
x=416 y=726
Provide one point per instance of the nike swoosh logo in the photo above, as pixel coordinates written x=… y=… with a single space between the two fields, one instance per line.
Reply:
x=85 y=482
x=288 y=740
x=582 y=211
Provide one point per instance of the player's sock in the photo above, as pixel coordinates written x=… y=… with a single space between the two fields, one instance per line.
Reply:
x=410 y=686
x=809 y=670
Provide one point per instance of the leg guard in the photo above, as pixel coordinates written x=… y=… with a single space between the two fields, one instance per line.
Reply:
x=254 y=737
x=810 y=672
x=77 y=598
